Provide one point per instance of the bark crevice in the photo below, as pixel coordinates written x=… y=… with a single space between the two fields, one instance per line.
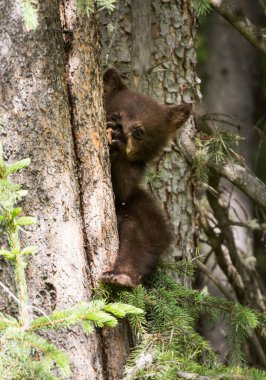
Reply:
x=68 y=48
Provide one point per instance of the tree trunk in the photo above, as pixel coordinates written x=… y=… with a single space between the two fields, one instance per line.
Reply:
x=56 y=119
x=152 y=44
x=51 y=109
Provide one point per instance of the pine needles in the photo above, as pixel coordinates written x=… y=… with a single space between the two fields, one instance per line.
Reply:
x=85 y=8
x=219 y=148
x=24 y=354
x=169 y=345
x=202 y=7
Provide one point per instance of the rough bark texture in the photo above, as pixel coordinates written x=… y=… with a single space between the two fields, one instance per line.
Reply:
x=152 y=44
x=90 y=139
x=59 y=125
x=51 y=109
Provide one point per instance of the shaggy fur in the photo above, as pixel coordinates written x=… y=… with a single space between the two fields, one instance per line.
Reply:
x=138 y=129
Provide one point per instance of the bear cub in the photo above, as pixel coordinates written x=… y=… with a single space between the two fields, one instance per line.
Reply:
x=138 y=129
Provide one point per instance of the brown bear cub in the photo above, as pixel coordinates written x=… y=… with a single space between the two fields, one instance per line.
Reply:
x=138 y=129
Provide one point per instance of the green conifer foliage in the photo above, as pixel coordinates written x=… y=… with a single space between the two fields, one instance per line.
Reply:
x=202 y=7
x=169 y=346
x=85 y=8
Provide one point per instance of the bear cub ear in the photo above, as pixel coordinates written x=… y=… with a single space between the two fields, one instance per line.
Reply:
x=112 y=81
x=178 y=115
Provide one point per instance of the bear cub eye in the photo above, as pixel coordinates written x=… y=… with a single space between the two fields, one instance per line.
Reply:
x=138 y=133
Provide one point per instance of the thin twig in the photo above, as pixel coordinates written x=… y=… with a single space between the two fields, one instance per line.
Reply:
x=237 y=174
x=10 y=293
x=214 y=279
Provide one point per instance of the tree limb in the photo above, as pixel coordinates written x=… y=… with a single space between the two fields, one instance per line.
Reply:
x=215 y=280
x=255 y=35
x=235 y=173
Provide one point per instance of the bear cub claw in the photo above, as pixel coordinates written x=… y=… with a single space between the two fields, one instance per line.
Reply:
x=121 y=279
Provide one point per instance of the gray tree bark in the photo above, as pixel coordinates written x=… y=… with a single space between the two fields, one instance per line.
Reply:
x=152 y=44
x=55 y=116
x=51 y=109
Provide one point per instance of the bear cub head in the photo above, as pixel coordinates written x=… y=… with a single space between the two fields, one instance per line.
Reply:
x=140 y=127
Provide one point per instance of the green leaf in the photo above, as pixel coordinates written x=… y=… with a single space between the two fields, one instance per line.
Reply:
x=25 y=221
x=202 y=7
x=100 y=318
x=9 y=193
x=253 y=224
x=22 y=164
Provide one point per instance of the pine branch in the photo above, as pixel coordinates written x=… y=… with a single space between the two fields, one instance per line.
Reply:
x=237 y=174
x=50 y=351
x=19 y=342
x=219 y=285
x=87 y=7
x=7 y=321
x=170 y=346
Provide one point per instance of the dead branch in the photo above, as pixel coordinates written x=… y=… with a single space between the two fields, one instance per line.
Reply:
x=215 y=280
x=255 y=35
x=237 y=174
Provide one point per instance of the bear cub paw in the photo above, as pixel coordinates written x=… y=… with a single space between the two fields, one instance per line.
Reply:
x=122 y=279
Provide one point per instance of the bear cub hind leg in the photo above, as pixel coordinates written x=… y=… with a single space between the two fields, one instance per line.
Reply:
x=143 y=236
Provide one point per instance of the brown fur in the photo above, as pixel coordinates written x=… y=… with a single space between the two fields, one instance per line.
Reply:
x=139 y=128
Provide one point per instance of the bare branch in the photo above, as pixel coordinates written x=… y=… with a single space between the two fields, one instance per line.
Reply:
x=243 y=179
x=215 y=280
x=255 y=35
x=235 y=173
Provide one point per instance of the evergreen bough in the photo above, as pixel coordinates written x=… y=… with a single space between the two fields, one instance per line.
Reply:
x=24 y=354
x=218 y=148
x=169 y=346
